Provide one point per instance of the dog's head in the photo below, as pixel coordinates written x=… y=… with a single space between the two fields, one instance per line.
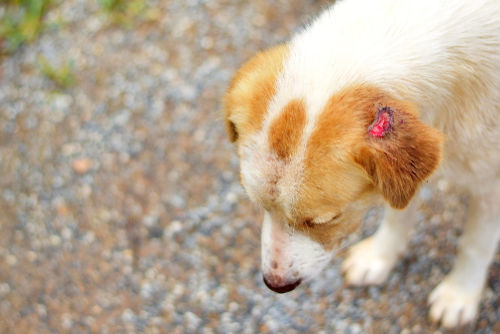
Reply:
x=315 y=168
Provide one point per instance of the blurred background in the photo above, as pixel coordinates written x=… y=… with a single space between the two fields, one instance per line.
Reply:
x=120 y=207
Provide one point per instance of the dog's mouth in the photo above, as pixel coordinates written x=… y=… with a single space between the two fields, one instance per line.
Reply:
x=281 y=288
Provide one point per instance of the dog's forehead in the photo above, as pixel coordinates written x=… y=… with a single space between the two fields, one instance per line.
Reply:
x=267 y=178
x=274 y=159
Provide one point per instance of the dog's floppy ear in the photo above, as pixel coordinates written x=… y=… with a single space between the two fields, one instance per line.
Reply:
x=250 y=91
x=398 y=151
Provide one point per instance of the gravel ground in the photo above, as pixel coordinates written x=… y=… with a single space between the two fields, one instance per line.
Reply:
x=120 y=207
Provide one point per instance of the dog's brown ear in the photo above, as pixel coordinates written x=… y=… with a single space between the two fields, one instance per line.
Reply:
x=250 y=91
x=399 y=151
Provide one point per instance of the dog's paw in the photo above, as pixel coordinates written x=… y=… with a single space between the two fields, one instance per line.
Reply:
x=366 y=265
x=453 y=306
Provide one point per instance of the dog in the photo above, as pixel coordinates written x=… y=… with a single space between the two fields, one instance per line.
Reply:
x=368 y=101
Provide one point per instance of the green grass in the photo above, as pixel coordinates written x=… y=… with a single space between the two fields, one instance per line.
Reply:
x=126 y=12
x=113 y=5
x=21 y=22
x=63 y=76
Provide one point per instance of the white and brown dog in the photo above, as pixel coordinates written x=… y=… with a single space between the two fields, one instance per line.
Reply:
x=370 y=99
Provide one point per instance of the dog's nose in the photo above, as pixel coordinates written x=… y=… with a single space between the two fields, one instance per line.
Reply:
x=279 y=285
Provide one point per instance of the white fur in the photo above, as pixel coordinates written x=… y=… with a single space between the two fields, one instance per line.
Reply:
x=417 y=51
x=291 y=251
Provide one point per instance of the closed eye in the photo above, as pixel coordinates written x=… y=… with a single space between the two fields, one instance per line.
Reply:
x=327 y=219
x=334 y=218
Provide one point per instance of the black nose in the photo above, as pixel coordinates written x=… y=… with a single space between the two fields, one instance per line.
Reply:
x=276 y=285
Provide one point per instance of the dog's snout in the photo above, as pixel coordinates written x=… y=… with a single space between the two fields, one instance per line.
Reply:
x=279 y=284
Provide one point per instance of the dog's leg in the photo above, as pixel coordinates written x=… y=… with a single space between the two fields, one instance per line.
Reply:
x=455 y=300
x=371 y=260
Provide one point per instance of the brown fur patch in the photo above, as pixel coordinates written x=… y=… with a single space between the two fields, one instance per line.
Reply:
x=331 y=177
x=396 y=164
x=345 y=118
x=286 y=130
x=250 y=91
x=399 y=163
x=344 y=164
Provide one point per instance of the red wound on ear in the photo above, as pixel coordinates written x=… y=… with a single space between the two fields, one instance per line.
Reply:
x=382 y=124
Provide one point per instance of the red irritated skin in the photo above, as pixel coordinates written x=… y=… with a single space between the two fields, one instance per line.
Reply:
x=382 y=124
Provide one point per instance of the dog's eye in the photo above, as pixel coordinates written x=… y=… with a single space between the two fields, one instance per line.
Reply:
x=327 y=219
x=334 y=218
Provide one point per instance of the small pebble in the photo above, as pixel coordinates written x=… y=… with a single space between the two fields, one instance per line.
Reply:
x=82 y=165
